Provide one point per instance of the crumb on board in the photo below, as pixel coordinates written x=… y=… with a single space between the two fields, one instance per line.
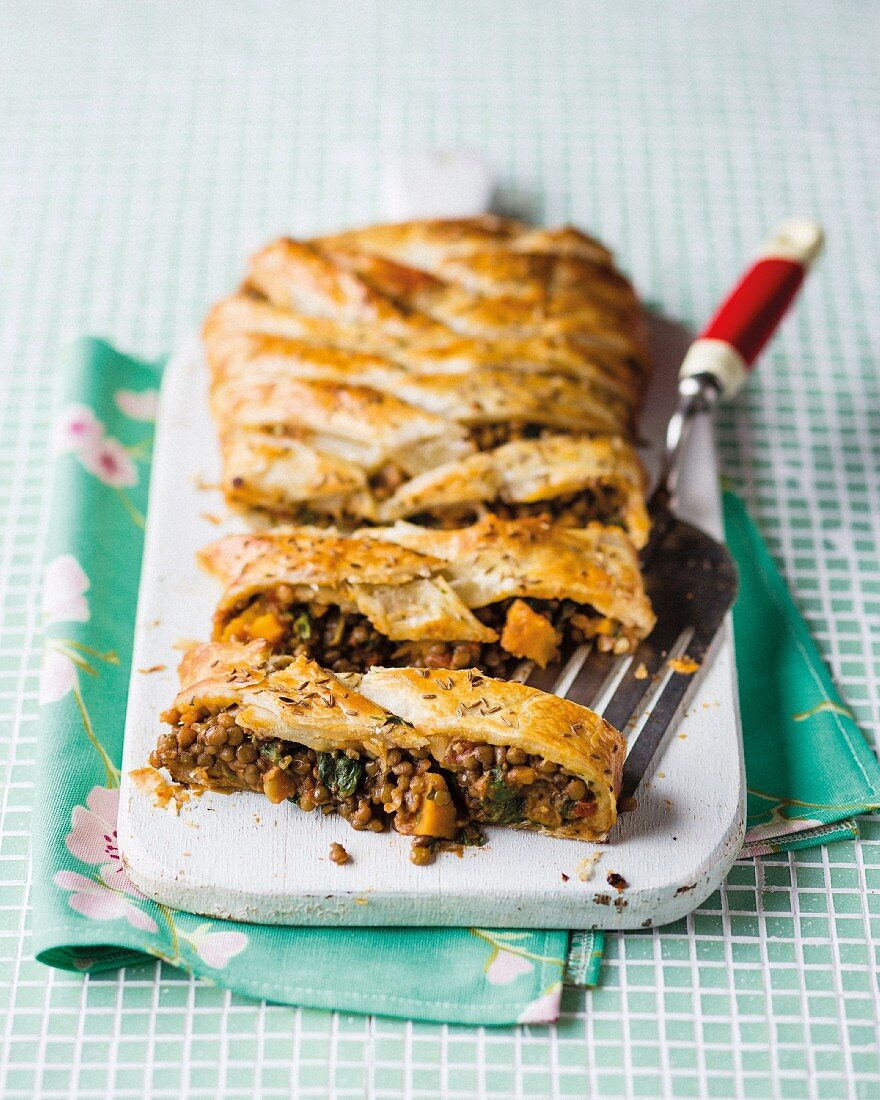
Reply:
x=685 y=666
x=627 y=805
x=153 y=668
x=587 y=866
x=682 y=737
x=641 y=673
x=564 y=876
x=338 y=854
x=149 y=781
x=617 y=881
x=362 y=901
x=211 y=517
x=202 y=483
x=183 y=644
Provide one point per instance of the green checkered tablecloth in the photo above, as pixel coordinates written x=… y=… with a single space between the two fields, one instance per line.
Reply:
x=147 y=148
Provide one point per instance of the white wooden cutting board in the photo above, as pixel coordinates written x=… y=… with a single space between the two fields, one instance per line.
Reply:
x=239 y=856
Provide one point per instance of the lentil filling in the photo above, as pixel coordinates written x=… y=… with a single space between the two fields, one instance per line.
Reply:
x=407 y=790
x=600 y=502
x=348 y=642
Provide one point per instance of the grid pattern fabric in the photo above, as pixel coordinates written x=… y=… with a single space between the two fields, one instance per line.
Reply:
x=149 y=147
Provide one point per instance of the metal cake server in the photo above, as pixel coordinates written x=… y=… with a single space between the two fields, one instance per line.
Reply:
x=690 y=577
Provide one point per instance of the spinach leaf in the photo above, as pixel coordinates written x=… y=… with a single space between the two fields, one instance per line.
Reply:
x=302 y=624
x=502 y=804
x=340 y=773
x=274 y=755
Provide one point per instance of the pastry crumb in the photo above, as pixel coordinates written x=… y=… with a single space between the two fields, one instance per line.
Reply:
x=686 y=666
x=617 y=881
x=587 y=866
x=212 y=518
x=149 y=781
x=153 y=668
x=641 y=673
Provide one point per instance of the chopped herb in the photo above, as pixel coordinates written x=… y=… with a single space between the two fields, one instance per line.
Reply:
x=302 y=624
x=396 y=720
x=503 y=805
x=340 y=773
x=273 y=753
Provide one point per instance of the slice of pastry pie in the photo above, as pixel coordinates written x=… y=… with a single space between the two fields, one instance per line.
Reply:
x=484 y=596
x=432 y=753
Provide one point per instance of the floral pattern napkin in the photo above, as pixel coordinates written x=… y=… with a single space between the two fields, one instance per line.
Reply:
x=88 y=915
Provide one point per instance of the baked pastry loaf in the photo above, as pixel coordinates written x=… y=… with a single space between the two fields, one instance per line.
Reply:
x=433 y=753
x=484 y=596
x=432 y=370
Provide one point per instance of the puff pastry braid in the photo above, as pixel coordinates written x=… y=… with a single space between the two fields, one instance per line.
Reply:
x=442 y=414
x=432 y=753
x=432 y=370
x=483 y=596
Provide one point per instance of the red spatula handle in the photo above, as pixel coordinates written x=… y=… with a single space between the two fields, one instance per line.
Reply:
x=731 y=342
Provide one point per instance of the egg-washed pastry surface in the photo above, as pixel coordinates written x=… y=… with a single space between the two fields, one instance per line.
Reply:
x=435 y=754
x=432 y=370
x=484 y=596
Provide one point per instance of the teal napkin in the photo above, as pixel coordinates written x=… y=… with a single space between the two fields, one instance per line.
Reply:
x=809 y=768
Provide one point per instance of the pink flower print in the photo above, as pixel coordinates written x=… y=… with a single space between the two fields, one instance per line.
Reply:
x=111 y=463
x=64 y=586
x=100 y=902
x=215 y=949
x=506 y=967
x=92 y=838
x=57 y=677
x=77 y=428
x=545 y=1009
x=138 y=404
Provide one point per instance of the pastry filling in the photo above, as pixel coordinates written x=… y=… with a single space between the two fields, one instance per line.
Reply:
x=489 y=436
x=407 y=790
x=344 y=641
x=601 y=502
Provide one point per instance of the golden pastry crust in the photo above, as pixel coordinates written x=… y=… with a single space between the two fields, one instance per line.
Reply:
x=297 y=701
x=495 y=559
x=271 y=381
x=400 y=349
x=436 y=350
